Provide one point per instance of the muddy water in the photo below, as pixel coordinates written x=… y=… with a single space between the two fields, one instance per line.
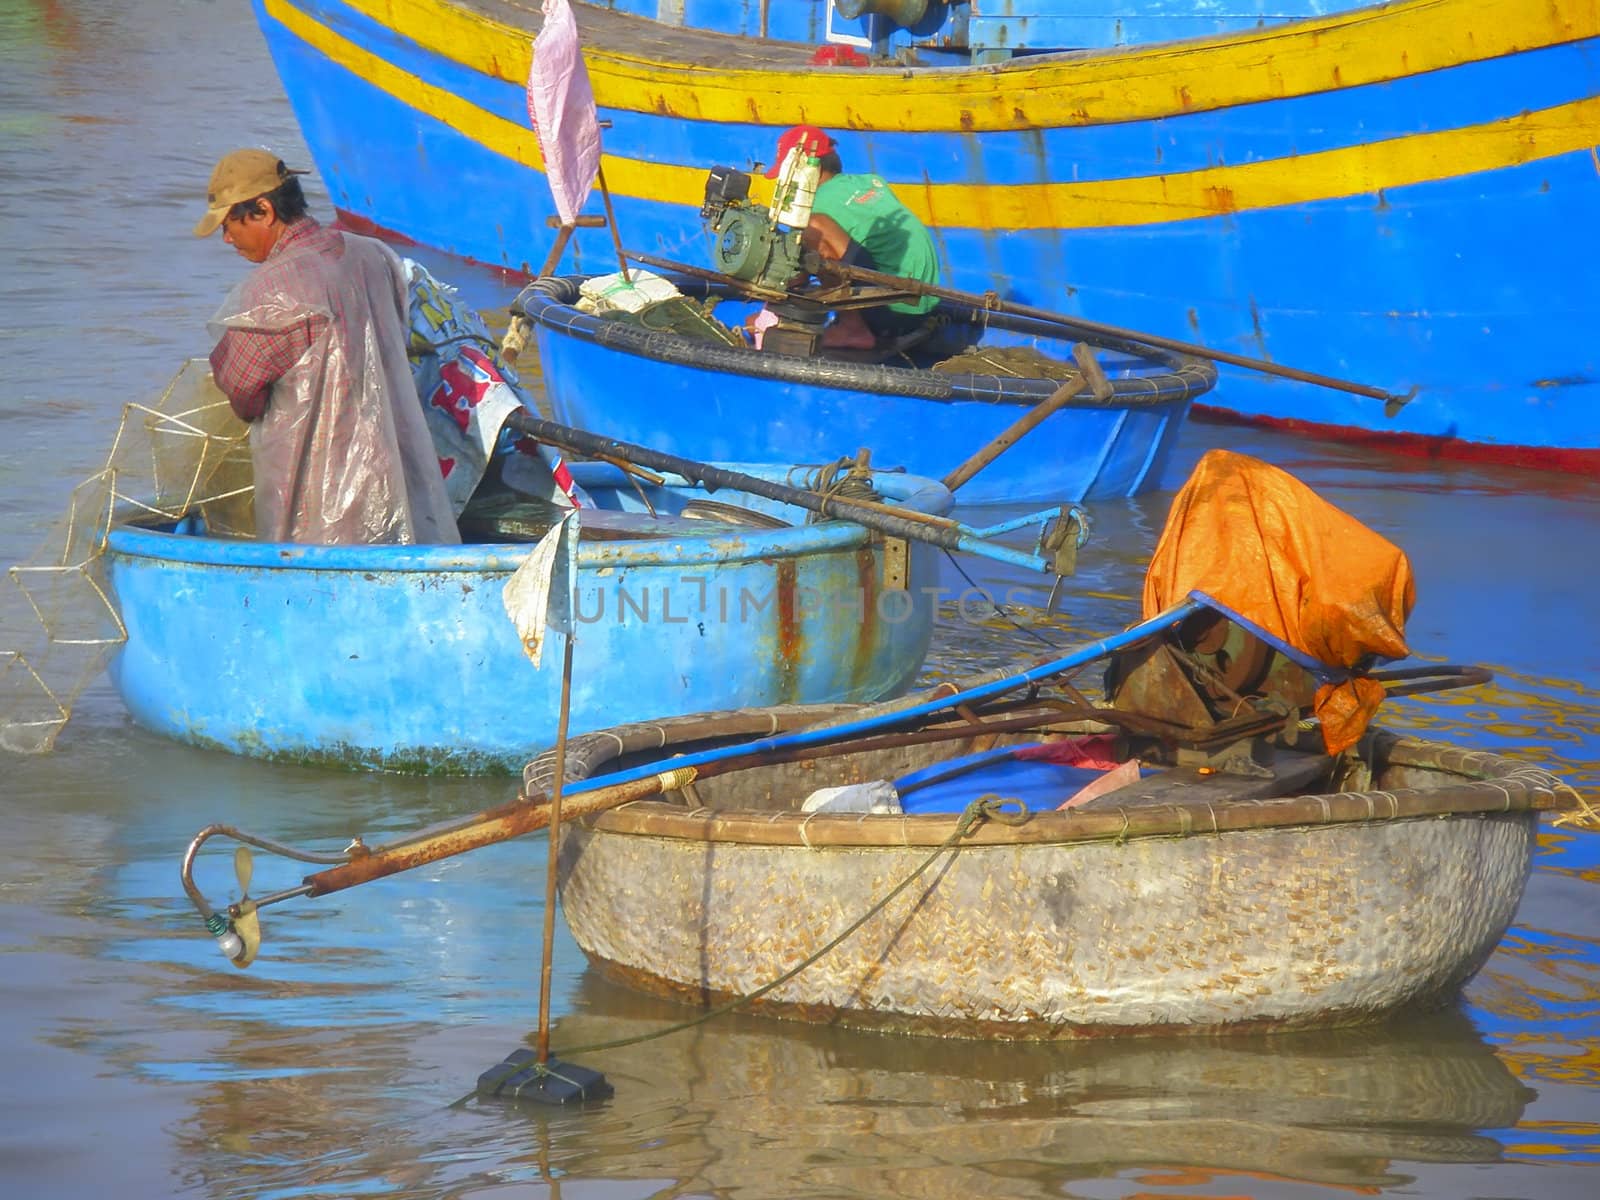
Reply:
x=137 y=1062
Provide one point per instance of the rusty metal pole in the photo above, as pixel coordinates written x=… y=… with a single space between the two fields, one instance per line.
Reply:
x=1393 y=401
x=525 y=814
x=554 y=851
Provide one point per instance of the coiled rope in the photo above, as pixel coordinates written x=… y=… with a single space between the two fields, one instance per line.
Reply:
x=846 y=479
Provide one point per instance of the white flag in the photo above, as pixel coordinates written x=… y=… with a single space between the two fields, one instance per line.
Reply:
x=561 y=106
x=539 y=596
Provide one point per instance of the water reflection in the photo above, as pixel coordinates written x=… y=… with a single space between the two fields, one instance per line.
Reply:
x=844 y=1114
x=143 y=1063
x=329 y=1067
x=746 y=1107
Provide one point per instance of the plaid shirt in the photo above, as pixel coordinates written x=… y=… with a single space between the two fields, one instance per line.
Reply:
x=247 y=362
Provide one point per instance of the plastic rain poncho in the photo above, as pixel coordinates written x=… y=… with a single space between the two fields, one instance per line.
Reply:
x=342 y=453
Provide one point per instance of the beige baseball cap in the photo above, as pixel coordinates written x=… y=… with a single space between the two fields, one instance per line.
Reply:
x=241 y=175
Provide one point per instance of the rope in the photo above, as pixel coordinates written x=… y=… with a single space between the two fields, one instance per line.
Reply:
x=998 y=611
x=1582 y=816
x=984 y=808
x=846 y=479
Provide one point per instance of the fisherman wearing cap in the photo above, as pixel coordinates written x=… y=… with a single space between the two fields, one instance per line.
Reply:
x=857 y=219
x=311 y=351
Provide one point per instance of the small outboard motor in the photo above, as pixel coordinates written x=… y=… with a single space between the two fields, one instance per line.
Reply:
x=745 y=241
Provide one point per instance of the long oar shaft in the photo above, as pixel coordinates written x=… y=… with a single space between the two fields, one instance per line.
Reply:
x=520 y=816
x=874 y=516
x=1114 y=336
x=528 y=814
x=1084 y=326
x=582 y=799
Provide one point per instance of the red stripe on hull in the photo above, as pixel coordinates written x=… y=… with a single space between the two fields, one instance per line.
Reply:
x=1416 y=445
x=1420 y=445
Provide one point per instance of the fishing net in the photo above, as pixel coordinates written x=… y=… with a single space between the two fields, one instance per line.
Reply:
x=186 y=462
x=185 y=456
x=683 y=316
x=1022 y=362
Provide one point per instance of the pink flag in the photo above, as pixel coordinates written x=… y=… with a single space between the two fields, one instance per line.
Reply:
x=561 y=106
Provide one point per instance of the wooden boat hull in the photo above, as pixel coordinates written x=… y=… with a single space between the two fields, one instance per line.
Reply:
x=710 y=400
x=403 y=658
x=1365 y=193
x=1281 y=929
x=1304 y=912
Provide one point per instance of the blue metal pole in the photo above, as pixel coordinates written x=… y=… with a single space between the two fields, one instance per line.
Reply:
x=834 y=733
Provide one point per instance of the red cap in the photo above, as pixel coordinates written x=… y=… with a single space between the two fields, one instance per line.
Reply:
x=814 y=140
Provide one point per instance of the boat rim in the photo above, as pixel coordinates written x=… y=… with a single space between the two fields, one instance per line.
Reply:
x=1486 y=784
x=718 y=545
x=549 y=302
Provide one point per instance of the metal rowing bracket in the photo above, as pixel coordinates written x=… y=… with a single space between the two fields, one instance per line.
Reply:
x=896 y=564
x=1062 y=537
x=1059 y=541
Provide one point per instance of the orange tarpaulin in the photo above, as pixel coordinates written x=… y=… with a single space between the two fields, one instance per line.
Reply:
x=1269 y=550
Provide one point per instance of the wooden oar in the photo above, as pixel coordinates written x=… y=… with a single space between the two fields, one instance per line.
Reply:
x=523 y=815
x=1088 y=371
x=531 y=812
x=528 y=813
x=882 y=718
x=1393 y=402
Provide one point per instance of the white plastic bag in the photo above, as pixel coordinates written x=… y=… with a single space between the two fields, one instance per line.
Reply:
x=611 y=293
x=878 y=796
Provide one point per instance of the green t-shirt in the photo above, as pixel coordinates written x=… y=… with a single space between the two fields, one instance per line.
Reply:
x=895 y=242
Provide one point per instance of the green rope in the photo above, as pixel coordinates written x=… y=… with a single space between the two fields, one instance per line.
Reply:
x=984 y=808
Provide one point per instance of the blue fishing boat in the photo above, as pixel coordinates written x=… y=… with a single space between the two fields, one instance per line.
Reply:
x=1359 y=189
x=404 y=658
x=699 y=395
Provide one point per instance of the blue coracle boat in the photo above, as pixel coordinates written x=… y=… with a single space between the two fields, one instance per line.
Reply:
x=403 y=657
x=692 y=396
x=1397 y=193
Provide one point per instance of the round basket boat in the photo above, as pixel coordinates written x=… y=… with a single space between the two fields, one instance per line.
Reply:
x=402 y=658
x=1321 y=891
x=709 y=399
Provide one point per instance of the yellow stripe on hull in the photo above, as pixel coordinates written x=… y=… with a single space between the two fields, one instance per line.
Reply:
x=1144 y=200
x=1369 y=45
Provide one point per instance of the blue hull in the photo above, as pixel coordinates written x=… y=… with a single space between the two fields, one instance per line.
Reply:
x=1401 y=194
x=403 y=658
x=709 y=401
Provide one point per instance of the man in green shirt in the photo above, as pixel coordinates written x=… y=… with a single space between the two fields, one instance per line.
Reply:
x=857 y=219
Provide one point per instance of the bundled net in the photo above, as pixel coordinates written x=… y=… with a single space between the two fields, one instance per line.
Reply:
x=187 y=457
x=1021 y=362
